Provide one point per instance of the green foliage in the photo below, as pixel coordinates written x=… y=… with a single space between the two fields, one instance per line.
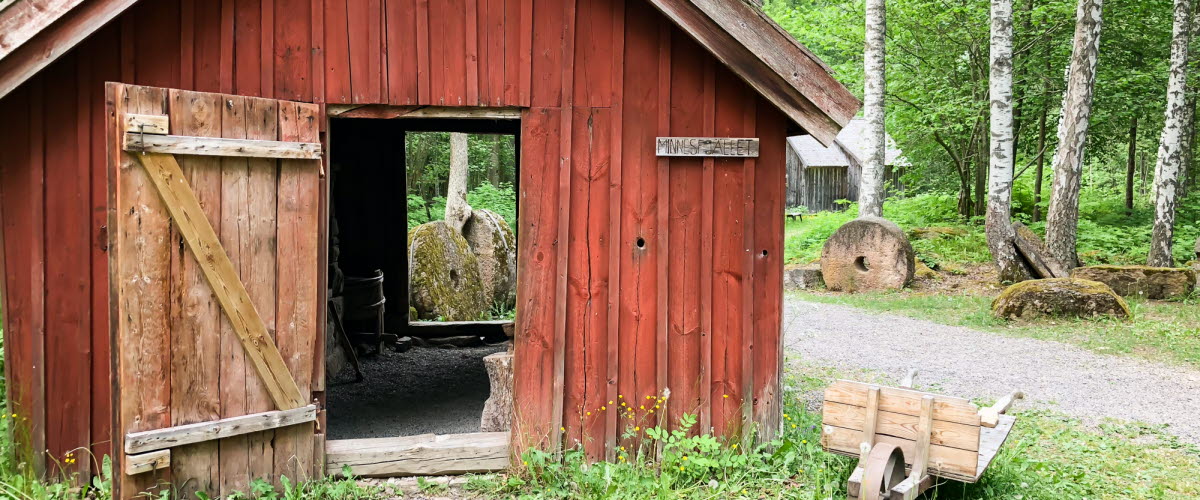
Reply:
x=1106 y=234
x=499 y=199
x=341 y=488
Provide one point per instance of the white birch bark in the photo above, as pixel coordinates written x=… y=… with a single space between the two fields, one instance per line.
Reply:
x=1171 y=142
x=870 y=191
x=457 y=209
x=1062 y=218
x=999 y=228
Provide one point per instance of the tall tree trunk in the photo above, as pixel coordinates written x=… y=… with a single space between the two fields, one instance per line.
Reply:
x=494 y=165
x=1041 y=164
x=998 y=226
x=1131 y=165
x=1062 y=219
x=1170 y=146
x=870 y=191
x=457 y=209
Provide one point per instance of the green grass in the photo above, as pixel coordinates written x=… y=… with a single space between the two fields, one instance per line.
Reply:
x=1161 y=331
x=1106 y=234
x=1048 y=456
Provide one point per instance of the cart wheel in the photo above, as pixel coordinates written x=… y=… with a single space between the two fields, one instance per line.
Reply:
x=884 y=470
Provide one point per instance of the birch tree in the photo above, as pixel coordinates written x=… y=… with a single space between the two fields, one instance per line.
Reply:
x=1062 y=218
x=457 y=209
x=870 y=191
x=1171 y=142
x=999 y=228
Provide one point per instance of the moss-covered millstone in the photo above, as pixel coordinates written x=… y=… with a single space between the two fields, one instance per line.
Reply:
x=1059 y=297
x=491 y=240
x=444 y=275
x=869 y=253
x=1141 y=281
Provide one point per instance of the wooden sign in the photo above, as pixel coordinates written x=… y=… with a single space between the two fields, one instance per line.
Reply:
x=708 y=146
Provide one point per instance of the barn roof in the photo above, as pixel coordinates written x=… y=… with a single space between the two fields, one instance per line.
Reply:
x=33 y=33
x=850 y=141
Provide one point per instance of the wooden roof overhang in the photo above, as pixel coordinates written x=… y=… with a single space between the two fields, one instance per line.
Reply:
x=33 y=33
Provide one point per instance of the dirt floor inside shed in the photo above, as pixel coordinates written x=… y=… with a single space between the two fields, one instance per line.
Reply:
x=424 y=390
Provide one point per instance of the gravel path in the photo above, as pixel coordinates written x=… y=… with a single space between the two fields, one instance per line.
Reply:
x=972 y=364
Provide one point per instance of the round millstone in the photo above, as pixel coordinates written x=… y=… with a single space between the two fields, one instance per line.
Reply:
x=864 y=254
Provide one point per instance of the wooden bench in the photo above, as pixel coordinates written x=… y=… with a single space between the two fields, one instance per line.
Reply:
x=937 y=435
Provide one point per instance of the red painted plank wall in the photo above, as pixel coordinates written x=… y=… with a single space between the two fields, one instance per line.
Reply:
x=637 y=274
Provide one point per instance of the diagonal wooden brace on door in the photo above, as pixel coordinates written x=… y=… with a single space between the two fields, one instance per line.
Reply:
x=185 y=210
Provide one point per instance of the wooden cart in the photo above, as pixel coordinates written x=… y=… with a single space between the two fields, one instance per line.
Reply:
x=905 y=438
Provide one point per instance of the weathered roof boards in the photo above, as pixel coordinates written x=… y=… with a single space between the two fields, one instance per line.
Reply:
x=637 y=272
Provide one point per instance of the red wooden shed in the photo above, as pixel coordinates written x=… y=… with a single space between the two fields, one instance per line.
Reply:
x=637 y=272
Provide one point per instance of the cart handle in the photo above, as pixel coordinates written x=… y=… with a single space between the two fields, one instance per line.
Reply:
x=989 y=417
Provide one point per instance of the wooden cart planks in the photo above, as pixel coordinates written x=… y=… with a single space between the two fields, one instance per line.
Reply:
x=894 y=429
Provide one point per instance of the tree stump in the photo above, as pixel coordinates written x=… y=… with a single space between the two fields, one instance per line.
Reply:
x=498 y=409
x=868 y=253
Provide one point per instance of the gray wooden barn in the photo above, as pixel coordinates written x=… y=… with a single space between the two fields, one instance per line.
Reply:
x=819 y=176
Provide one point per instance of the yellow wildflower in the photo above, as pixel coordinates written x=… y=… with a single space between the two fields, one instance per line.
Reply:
x=725 y=396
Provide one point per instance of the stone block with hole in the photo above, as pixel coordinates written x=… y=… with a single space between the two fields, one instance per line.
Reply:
x=870 y=253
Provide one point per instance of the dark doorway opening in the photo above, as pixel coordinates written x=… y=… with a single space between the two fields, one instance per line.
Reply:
x=392 y=373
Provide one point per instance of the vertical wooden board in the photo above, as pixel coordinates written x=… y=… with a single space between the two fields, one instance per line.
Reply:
x=727 y=268
x=566 y=153
x=615 y=247
x=684 y=227
x=66 y=274
x=156 y=39
x=525 y=55
x=195 y=315
x=438 y=27
x=21 y=196
x=247 y=50
x=141 y=269
x=709 y=99
x=235 y=238
x=587 y=282
x=455 y=51
x=471 y=54
x=511 y=60
x=639 y=208
x=362 y=18
x=262 y=123
x=208 y=46
x=663 y=209
x=292 y=50
x=424 y=64
x=401 y=51
x=536 y=278
x=769 y=182
x=187 y=49
x=226 y=65
x=105 y=58
x=337 y=52
x=296 y=279
x=491 y=52
x=548 y=62
x=594 y=54
x=317 y=36
x=267 y=47
x=749 y=126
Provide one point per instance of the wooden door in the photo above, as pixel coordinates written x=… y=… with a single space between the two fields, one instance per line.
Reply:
x=214 y=265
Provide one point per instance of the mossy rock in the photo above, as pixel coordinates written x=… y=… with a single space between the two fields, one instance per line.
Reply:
x=925 y=272
x=444 y=275
x=1059 y=297
x=936 y=232
x=1142 y=281
x=492 y=241
x=798 y=277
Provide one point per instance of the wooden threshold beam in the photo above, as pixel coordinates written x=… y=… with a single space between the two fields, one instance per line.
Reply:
x=161 y=439
x=138 y=142
x=422 y=455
